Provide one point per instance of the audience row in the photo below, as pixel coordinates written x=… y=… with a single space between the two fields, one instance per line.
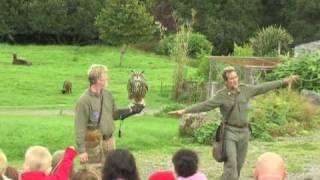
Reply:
x=120 y=165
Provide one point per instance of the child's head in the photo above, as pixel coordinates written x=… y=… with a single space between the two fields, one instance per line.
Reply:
x=185 y=162
x=120 y=163
x=3 y=163
x=38 y=158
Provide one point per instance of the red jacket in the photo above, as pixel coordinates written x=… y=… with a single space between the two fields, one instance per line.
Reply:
x=62 y=172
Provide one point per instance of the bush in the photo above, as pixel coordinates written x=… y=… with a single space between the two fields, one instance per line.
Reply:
x=197 y=44
x=281 y=113
x=165 y=45
x=307 y=67
x=267 y=40
x=246 y=50
x=206 y=132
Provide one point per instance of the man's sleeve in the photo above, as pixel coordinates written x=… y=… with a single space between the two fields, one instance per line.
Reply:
x=81 y=123
x=115 y=111
x=204 y=106
x=264 y=87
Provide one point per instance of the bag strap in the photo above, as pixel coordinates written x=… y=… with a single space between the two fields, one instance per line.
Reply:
x=229 y=114
x=100 y=113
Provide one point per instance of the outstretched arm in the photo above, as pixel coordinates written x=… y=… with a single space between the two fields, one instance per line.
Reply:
x=200 y=107
x=267 y=86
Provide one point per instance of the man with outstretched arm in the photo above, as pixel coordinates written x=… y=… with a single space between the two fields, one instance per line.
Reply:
x=236 y=96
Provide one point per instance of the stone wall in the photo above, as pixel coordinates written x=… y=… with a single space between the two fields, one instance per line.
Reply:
x=307 y=48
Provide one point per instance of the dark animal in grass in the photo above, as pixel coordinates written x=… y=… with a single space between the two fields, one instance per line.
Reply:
x=67 y=87
x=17 y=61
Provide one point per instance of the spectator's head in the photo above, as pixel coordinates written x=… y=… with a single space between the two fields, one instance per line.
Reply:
x=37 y=158
x=162 y=175
x=185 y=162
x=270 y=165
x=12 y=173
x=85 y=174
x=98 y=75
x=3 y=163
x=120 y=164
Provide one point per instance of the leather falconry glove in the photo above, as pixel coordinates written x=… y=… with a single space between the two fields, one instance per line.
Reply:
x=136 y=108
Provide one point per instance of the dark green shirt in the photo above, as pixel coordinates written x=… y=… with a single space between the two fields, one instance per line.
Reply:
x=87 y=113
x=225 y=99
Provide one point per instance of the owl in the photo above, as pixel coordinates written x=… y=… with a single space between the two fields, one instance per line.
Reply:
x=137 y=88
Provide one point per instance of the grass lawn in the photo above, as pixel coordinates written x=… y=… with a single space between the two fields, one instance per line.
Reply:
x=153 y=140
x=39 y=85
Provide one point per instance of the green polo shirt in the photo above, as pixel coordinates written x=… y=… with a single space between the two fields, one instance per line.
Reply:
x=87 y=113
x=225 y=99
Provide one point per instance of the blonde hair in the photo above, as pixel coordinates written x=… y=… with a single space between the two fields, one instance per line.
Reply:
x=3 y=163
x=95 y=72
x=38 y=158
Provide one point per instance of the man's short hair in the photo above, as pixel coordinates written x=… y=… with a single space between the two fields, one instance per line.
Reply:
x=3 y=163
x=185 y=162
x=95 y=72
x=226 y=71
x=38 y=158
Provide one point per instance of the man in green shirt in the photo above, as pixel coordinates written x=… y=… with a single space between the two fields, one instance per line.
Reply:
x=237 y=127
x=95 y=113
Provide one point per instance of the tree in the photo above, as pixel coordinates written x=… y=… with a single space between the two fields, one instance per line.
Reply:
x=271 y=41
x=81 y=19
x=48 y=17
x=124 y=22
x=222 y=22
x=303 y=20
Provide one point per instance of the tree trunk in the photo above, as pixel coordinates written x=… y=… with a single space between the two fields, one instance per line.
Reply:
x=122 y=52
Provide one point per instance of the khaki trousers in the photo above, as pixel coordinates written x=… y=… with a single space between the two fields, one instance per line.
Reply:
x=236 y=140
x=97 y=152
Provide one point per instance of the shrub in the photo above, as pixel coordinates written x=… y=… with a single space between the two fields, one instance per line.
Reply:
x=206 y=132
x=246 y=50
x=307 y=67
x=165 y=45
x=281 y=113
x=267 y=41
x=197 y=44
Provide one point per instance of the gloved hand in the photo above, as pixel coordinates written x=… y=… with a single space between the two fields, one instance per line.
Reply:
x=137 y=108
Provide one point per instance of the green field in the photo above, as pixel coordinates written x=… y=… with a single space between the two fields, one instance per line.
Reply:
x=39 y=85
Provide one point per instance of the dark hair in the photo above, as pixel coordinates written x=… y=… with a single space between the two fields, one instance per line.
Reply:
x=120 y=163
x=185 y=162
